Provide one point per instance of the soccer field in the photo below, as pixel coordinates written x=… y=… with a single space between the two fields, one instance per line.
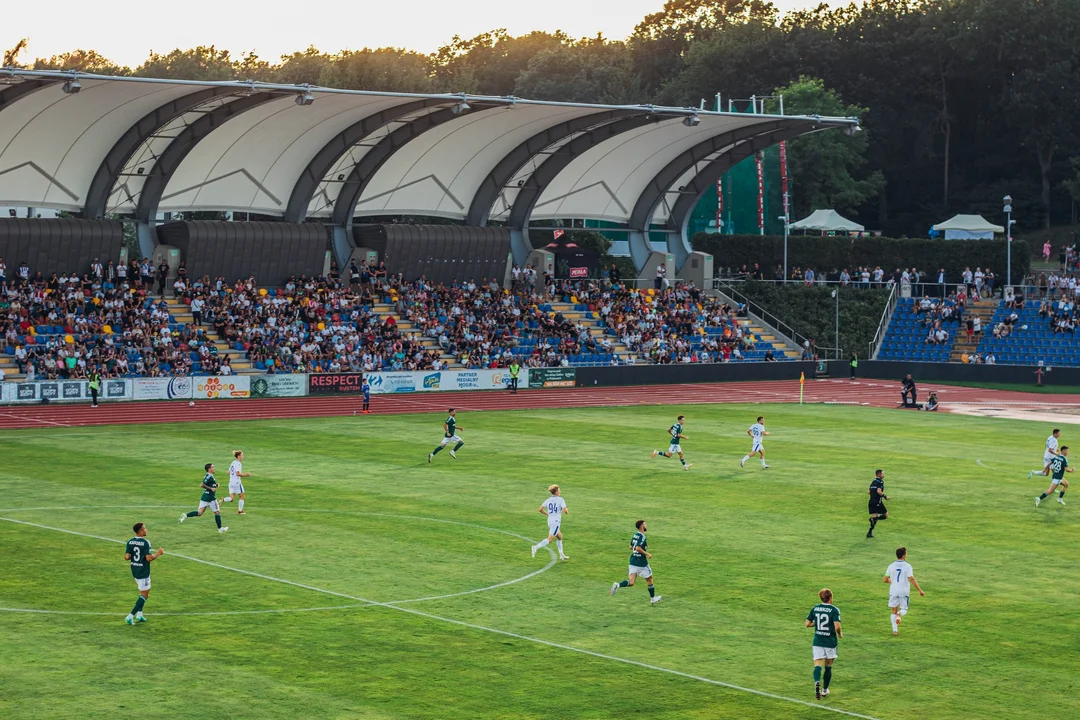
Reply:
x=365 y=583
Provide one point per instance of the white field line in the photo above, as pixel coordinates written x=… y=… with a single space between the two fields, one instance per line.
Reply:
x=28 y=419
x=484 y=628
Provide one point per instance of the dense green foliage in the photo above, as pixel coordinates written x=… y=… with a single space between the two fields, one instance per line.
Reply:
x=965 y=100
x=335 y=504
x=833 y=254
x=811 y=312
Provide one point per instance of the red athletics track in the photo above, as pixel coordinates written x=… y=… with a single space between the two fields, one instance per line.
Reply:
x=876 y=393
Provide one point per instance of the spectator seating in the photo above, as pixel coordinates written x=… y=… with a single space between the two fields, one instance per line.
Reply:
x=905 y=338
x=1031 y=340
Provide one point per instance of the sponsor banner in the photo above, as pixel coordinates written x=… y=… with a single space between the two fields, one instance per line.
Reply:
x=279 y=386
x=334 y=383
x=406 y=382
x=64 y=391
x=552 y=377
x=579 y=272
x=221 y=387
x=163 y=388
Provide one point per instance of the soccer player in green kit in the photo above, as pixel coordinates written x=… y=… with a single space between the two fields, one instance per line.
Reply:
x=639 y=563
x=450 y=428
x=825 y=619
x=675 y=431
x=1059 y=465
x=208 y=499
x=139 y=553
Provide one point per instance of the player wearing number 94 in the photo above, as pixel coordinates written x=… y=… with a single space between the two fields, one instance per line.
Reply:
x=825 y=619
x=553 y=508
x=139 y=553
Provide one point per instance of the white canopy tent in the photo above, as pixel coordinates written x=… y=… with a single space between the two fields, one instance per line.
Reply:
x=827 y=221
x=968 y=227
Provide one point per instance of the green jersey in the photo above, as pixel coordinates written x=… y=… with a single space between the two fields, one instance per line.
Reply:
x=1058 y=465
x=675 y=431
x=210 y=482
x=824 y=617
x=637 y=557
x=451 y=426
x=138 y=550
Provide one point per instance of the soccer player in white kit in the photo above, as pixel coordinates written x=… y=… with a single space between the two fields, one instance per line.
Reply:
x=757 y=432
x=554 y=508
x=900 y=577
x=1049 y=453
x=236 y=483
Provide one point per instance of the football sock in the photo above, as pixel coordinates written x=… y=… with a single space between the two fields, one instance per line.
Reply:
x=558 y=544
x=903 y=611
x=240 y=505
x=138 y=605
x=226 y=499
x=437 y=450
x=1061 y=494
x=458 y=446
x=892 y=620
x=652 y=591
x=624 y=583
x=542 y=543
x=762 y=462
x=682 y=460
x=817 y=673
x=1043 y=496
x=193 y=513
x=745 y=458
x=828 y=677
x=873 y=523
x=217 y=519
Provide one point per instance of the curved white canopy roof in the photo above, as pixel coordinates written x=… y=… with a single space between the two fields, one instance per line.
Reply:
x=139 y=146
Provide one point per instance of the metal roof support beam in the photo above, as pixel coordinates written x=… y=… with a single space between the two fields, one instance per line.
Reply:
x=547 y=171
x=660 y=184
x=508 y=167
x=332 y=152
x=158 y=177
x=108 y=173
x=354 y=185
x=679 y=217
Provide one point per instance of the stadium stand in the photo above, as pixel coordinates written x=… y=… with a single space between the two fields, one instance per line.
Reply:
x=907 y=337
x=1032 y=332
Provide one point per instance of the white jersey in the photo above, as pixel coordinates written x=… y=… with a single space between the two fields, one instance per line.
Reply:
x=898 y=573
x=555 y=506
x=235 y=468
x=757 y=430
x=1051 y=448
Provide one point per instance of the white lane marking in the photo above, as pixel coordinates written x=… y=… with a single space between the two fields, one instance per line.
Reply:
x=34 y=611
x=29 y=419
x=484 y=628
x=551 y=553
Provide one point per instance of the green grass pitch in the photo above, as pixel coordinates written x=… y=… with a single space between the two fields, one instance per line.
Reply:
x=348 y=509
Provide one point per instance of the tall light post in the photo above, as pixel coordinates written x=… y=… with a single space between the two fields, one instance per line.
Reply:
x=1007 y=200
x=836 y=342
x=786 y=218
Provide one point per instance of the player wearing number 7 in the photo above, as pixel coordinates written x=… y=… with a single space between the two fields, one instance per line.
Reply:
x=139 y=553
x=825 y=619
x=901 y=577
x=554 y=508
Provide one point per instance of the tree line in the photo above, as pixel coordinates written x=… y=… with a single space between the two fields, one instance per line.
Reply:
x=962 y=101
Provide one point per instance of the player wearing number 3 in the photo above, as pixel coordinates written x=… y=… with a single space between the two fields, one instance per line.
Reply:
x=825 y=619
x=900 y=576
x=554 y=508
x=139 y=553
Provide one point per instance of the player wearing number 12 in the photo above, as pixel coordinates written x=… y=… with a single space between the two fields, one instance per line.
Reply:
x=825 y=619
x=139 y=554
x=554 y=508
x=675 y=447
x=450 y=428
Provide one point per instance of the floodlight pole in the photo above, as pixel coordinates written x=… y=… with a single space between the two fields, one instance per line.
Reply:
x=1008 y=242
x=836 y=343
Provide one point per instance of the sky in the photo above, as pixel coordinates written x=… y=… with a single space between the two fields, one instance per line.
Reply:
x=126 y=31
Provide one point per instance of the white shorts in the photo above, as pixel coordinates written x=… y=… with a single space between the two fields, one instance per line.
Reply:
x=213 y=505
x=553 y=525
x=757 y=446
x=1047 y=457
x=143 y=583
x=900 y=601
x=236 y=486
x=447 y=440
x=641 y=572
x=675 y=448
x=821 y=653
x=1054 y=481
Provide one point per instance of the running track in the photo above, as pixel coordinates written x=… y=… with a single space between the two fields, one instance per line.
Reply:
x=875 y=393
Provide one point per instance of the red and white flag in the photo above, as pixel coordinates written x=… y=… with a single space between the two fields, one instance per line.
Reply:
x=559 y=234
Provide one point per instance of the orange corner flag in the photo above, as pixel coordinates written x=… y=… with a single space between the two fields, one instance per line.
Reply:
x=802 y=378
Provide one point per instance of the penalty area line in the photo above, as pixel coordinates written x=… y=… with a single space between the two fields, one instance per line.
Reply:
x=473 y=626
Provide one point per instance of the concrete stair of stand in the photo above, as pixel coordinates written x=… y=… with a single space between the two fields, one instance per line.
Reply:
x=181 y=314
x=385 y=310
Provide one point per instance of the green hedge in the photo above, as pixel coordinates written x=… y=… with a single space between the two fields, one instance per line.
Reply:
x=832 y=254
x=811 y=311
